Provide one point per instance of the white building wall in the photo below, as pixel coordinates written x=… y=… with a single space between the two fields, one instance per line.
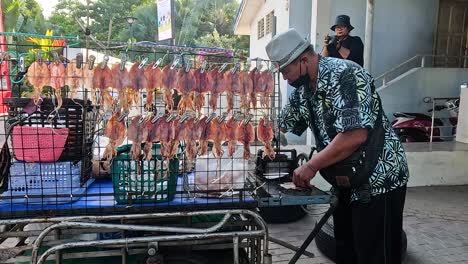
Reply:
x=406 y=93
x=281 y=9
x=257 y=46
x=320 y=22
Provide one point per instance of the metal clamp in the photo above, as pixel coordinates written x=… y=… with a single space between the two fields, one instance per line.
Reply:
x=143 y=63
x=248 y=119
x=156 y=64
x=172 y=117
x=235 y=68
x=104 y=62
x=92 y=58
x=223 y=67
x=184 y=117
x=175 y=62
x=274 y=67
x=56 y=57
x=123 y=61
x=38 y=56
x=223 y=117
x=156 y=117
x=21 y=64
x=188 y=66
x=79 y=60
x=203 y=66
x=123 y=115
x=143 y=118
x=238 y=116
x=211 y=117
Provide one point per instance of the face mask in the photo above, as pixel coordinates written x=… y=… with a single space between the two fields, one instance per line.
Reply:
x=302 y=80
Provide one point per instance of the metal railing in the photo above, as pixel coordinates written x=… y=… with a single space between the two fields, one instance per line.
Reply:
x=421 y=61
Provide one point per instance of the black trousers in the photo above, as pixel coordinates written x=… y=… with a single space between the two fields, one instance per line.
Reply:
x=369 y=233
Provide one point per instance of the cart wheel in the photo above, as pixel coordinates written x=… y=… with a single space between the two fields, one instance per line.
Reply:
x=326 y=243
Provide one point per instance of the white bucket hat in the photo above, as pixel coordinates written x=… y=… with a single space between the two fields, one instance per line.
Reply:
x=286 y=47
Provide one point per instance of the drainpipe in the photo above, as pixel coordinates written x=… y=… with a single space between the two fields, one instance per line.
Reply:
x=368 y=34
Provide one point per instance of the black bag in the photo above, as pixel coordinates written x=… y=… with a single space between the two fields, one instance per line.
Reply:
x=359 y=165
x=5 y=155
x=5 y=163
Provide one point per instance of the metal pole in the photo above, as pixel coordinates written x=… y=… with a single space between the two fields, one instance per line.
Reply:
x=235 y=242
x=368 y=34
x=87 y=28
x=58 y=253
x=290 y=246
x=432 y=124
x=318 y=226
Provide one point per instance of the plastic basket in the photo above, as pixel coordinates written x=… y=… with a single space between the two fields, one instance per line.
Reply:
x=45 y=183
x=142 y=181
x=76 y=115
x=38 y=144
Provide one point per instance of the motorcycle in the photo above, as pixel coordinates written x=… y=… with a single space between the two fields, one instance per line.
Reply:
x=416 y=127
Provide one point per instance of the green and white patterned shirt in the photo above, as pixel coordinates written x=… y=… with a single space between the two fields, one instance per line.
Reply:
x=345 y=99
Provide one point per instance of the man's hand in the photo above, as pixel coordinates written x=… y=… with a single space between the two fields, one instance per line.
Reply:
x=303 y=175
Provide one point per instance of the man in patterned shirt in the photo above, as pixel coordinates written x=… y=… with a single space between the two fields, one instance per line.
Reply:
x=337 y=100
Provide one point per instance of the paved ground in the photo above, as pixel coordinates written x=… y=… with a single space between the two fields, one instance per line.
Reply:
x=436 y=223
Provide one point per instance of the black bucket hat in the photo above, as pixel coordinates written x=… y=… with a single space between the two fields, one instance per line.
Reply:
x=342 y=20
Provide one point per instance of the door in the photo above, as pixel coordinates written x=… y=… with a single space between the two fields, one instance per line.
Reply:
x=452 y=34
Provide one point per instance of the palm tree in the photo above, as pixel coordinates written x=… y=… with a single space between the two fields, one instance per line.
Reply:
x=11 y=12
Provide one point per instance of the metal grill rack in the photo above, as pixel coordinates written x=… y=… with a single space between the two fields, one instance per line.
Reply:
x=84 y=191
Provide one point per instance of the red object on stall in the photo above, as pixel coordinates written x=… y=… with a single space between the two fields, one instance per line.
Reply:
x=3 y=106
x=5 y=85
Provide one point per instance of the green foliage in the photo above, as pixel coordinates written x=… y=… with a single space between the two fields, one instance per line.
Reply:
x=208 y=23
x=11 y=12
x=214 y=39
x=62 y=19
x=196 y=22
x=23 y=16
x=145 y=28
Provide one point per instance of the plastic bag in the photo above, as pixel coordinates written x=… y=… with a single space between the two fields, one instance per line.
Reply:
x=221 y=177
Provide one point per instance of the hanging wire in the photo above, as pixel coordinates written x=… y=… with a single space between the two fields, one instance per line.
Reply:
x=20 y=34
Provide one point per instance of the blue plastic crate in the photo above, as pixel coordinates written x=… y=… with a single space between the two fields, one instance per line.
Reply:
x=44 y=183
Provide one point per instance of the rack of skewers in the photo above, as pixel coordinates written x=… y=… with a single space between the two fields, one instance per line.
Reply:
x=191 y=106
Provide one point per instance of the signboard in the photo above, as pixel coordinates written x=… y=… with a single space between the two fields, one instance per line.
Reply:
x=164 y=19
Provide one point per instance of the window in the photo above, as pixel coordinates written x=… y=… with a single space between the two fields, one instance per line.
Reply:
x=269 y=22
x=261 y=28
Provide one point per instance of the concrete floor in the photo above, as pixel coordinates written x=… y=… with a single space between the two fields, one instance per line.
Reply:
x=436 y=223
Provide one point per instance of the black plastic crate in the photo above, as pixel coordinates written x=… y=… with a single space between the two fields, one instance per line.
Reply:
x=76 y=115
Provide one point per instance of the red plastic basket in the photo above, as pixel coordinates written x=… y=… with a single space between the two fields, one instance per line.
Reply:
x=38 y=144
